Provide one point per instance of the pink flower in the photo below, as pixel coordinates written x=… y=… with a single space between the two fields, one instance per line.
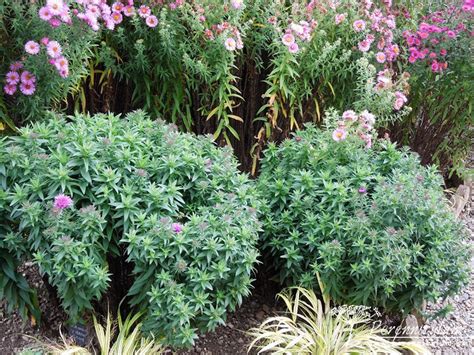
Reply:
x=400 y=100
x=380 y=57
x=443 y=52
x=230 y=44
x=61 y=63
x=64 y=72
x=359 y=25
x=339 y=134
x=151 y=21
x=362 y=190
x=144 y=11
x=349 y=115
x=293 y=48
x=32 y=47
x=27 y=88
x=451 y=34
x=398 y=104
x=9 y=89
x=54 y=49
x=12 y=78
x=435 y=66
x=44 y=41
x=129 y=11
x=237 y=4
x=367 y=117
x=116 y=17
x=288 y=39
x=54 y=22
x=412 y=59
x=16 y=66
x=55 y=6
x=117 y=6
x=27 y=77
x=62 y=202
x=339 y=18
x=45 y=13
x=364 y=46
x=176 y=228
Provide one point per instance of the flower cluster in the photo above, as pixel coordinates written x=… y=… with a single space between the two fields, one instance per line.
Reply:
x=400 y=88
x=429 y=42
x=230 y=33
x=298 y=31
x=17 y=77
x=360 y=124
x=377 y=27
x=55 y=12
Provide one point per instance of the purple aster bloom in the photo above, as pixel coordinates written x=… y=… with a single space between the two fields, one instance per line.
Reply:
x=62 y=202
x=362 y=190
x=176 y=228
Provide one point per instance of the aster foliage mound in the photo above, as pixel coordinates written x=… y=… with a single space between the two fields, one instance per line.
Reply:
x=372 y=222
x=76 y=195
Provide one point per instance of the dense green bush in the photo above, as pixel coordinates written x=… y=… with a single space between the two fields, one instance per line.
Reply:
x=373 y=222
x=172 y=203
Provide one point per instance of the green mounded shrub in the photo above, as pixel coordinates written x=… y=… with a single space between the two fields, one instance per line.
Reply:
x=76 y=193
x=373 y=222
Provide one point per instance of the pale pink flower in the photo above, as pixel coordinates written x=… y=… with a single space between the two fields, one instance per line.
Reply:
x=32 y=47
x=144 y=11
x=151 y=21
x=339 y=134
x=12 y=78
x=230 y=44
x=364 y=46
x=45 y=13
x=359 y=25
x=380 y=57
x=62 y=202
x=27 y=77
x=367 y=117
x=117 y=6
x=293 y=48
x=61 y=63
x=116 y=17
x=398 y=104
x=129 y=11
x=55 y=6
x=349 y=115
x=44 y=41
x=54 y=49
x=298 y=29
x=339 y=18
x=237 y=4
x=288 y=39
x=27 y=88
x=9 y=89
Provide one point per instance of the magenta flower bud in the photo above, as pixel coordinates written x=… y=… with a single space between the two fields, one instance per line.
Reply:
x=362 y=190
x=176 y=228
x=62 y=202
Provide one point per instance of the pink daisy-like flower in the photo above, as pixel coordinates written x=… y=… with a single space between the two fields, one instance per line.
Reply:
x=451 y=34
x=32 y=47
x=54 y=49
x=176 y=228
x=339 y=18
x=230 y=44
x=364 y=46
x=129 y=11
x=61 y=63
x=27 y=78
x=12 y=78
x=27 y=88
x=45 y=13
x=237 y=4
x=293 y=48
x=359 y=25
x=339 y=134
x=381 y=57
x=62 y=202
x=44 y=41
x=55 y=22
x=144 y=11
x=117 y=6
x=55 y=6
x=16 y=66
x=64 y=72
x=151 y=21
x=9 y=89
x=288 y=39
x=116 y=17
x=349 y=115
